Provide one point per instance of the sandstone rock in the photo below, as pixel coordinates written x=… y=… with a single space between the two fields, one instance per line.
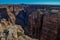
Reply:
x=21 y=38
x=54 y=11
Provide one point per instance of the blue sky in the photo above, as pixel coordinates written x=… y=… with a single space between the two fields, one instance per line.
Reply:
x=52 y=2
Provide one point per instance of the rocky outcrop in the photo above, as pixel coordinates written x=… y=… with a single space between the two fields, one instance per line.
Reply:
x=8 y=31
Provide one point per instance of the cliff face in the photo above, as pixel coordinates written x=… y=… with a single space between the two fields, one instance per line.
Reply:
x=41 y=22
x=9 y=30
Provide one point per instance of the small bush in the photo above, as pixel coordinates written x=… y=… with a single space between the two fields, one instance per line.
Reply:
x=19 y=34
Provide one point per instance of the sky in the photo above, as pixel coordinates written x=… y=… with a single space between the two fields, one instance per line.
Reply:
x=52 y=2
